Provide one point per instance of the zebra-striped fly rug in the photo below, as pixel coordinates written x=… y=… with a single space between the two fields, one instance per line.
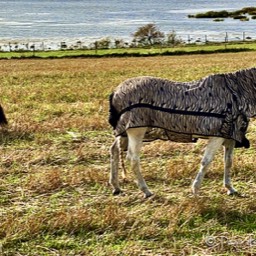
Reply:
x=217 y=105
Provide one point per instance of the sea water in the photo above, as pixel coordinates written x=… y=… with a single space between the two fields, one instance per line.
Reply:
x=88 y=20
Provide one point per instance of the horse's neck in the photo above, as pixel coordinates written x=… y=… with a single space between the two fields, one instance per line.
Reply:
x=249 y=99
x=245 y=90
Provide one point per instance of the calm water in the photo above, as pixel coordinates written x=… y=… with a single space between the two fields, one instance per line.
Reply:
x=90 y=20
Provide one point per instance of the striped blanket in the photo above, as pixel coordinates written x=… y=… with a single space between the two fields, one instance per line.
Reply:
x=178 y=111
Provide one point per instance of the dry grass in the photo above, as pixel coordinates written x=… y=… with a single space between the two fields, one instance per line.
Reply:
x=55 y=198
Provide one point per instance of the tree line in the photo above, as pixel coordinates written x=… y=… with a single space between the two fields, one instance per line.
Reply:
x=147 y=35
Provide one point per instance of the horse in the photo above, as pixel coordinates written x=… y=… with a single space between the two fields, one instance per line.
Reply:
x=217 y=107
x=3 y=120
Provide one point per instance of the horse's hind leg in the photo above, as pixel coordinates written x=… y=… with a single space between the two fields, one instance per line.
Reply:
x=228 y=158
x=115 y=151
x=123 y=145
x=135 y=137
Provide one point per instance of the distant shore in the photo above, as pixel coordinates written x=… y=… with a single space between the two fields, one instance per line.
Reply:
x=16 y=45
x=188 y=49
x=41 y=44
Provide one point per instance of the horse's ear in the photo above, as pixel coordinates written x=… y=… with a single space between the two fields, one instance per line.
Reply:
x=3 y=119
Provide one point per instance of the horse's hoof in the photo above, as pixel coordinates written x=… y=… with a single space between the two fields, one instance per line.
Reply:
x=116 y=192
x=148 y=194
x=231 y=191
x=235 y=194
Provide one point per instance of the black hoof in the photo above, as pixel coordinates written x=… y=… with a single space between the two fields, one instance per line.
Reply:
x=236 y=194
x=116 y=192
x=148 y=195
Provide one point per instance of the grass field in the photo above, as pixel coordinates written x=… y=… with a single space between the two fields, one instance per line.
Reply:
x=55 y=198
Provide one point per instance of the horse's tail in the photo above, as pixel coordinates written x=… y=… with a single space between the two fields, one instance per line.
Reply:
x=3 y=119
x=113 y=113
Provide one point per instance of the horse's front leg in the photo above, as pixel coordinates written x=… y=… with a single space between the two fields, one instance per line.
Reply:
x=213 y=145
x=228 y=159
x=135 y=138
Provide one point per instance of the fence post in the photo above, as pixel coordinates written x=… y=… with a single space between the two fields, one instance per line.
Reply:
x=226 y=37
x=189 y=39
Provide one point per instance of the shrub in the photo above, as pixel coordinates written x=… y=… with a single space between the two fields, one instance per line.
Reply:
x=239 y=17
x=173 y=40
x=236 y=13
x=213 y=14
x=249 y=10
x=148 y=35
x=218 y=19
x=103 y=43
x=239 y=14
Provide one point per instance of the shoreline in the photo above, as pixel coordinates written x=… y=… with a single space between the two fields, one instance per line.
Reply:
x=55 y=44
x=133 y=52
x=43 y=44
